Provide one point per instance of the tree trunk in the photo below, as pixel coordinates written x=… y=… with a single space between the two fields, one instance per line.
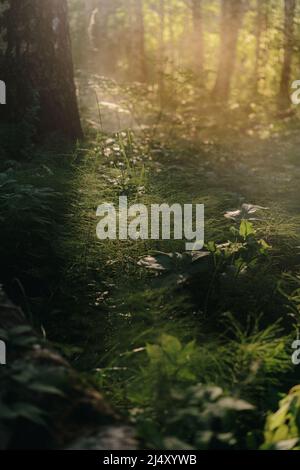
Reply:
x=284 y=93
x=104 y=37
x=231 y=21
x=161 y=52
x=172 y=40
x=38 y=67
x=260 y=28
x=139 y=40
x=198 y=38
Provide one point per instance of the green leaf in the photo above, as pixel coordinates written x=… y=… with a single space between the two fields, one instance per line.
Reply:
x=154 y=352
x=171 y=344
x=47 y=389
x=246 y=229
x=30 y=412
x=21 y=329
x=3 y=335
x=6 y=412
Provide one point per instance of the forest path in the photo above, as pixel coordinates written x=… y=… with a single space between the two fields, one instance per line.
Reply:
x=113 y=308
x=125 y=311
x=105 y=105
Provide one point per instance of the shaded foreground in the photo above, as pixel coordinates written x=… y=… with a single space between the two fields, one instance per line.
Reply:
x=198 y=353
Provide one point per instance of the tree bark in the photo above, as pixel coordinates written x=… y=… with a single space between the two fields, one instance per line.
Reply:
x=38 y=66
x=161 y=52
x=284 y=92
x=104 y=33
x=198 y=38
x=231 y=22
x=139 y=39
x=260 y=28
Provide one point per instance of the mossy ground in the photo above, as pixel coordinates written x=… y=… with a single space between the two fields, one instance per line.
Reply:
x=102 y=309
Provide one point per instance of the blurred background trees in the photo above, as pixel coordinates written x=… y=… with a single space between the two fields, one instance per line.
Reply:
x=231 y=23
x=180 y=51
x=229 y=49
x=289 y=20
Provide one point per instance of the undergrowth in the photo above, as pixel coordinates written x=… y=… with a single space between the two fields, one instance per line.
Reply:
x=193 y=349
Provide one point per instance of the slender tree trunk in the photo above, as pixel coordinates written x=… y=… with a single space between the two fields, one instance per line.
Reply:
x=172 y=42
x=130 y=40
x=260 y=27
x=231 y=21
x=198 y=37
x=38 y=58
x=161 y=52
x=139 y=40
x=284 y=92
x=103 y=43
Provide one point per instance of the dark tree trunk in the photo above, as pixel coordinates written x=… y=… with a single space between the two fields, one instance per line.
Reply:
x=284 y=93
x=231 y=21
x=37 y=64
x=198 y=39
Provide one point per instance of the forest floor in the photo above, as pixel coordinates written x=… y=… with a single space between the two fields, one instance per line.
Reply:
x=145 y=335
x=242 y=315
